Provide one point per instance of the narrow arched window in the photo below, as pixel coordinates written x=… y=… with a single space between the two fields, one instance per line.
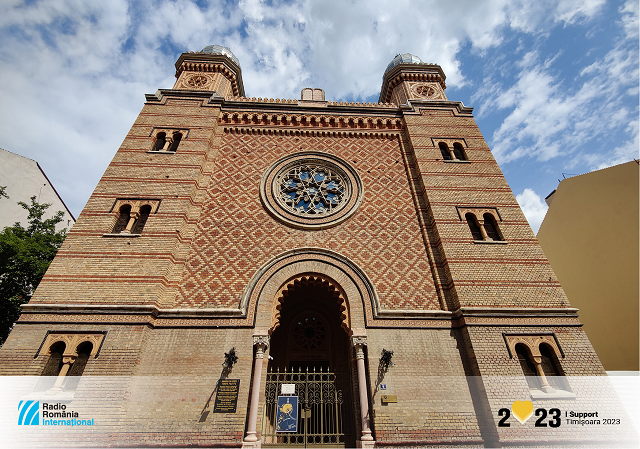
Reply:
x=444 y=150
x=458 y=152
x=123 y=219
x=550 y=367
x=473 y=226
x=161 y=140
x=76 y=370
x=142 y=220
x=52 y=367
x=491 y=227
x=177 y=137
x=54 y=364
x=527 y=365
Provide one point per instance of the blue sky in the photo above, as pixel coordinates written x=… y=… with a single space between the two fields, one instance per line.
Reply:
x=554 y=84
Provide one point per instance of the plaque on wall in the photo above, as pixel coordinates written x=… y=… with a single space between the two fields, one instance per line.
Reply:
x=226 y=396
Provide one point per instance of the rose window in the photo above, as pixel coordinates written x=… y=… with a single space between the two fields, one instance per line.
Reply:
x=311 y=189
x=309 y=332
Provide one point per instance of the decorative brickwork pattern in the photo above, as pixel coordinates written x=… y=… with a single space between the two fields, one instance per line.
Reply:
x=236 y=235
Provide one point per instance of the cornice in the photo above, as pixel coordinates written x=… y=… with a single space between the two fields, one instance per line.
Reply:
x=153 y=316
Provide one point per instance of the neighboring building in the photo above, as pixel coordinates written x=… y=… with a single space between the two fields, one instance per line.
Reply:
x=24 y=178
x=590 y=235
x=377 y=246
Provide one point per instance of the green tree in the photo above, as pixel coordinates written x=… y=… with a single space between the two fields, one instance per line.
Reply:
x=25 y=255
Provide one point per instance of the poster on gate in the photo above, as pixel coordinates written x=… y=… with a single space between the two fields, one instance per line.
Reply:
x=287 y=414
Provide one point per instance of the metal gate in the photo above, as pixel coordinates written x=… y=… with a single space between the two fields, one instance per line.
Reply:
x=320 y=410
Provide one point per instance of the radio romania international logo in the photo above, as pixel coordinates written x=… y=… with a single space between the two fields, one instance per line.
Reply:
x=29 y=413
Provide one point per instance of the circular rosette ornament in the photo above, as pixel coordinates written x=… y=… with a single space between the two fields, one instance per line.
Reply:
x=311 y=190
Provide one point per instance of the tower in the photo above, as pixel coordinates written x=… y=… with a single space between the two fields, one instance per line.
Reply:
x=366 y=262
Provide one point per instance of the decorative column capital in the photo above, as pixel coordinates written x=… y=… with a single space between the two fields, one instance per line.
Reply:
x=359 y=340
x=261 y=340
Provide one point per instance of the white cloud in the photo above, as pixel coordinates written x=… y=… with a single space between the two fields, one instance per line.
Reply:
x=549 y=117
x=78 y=70
x=533 y=207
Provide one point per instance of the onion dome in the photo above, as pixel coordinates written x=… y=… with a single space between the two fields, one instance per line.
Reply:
x=220 y=50
x=405 y=58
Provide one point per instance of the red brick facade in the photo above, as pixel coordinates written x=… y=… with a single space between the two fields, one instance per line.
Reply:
x=212 y=268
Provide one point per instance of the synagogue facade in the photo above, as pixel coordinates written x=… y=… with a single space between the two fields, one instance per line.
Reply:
x=347 y=274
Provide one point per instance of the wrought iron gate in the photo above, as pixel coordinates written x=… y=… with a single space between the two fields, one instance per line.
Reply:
x=321 y=407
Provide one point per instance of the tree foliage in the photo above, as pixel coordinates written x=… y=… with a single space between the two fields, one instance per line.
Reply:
x=25 y=255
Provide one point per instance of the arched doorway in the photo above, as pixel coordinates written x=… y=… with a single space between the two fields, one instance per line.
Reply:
x=310 y=352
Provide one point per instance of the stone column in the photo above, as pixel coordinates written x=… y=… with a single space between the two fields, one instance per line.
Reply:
x=261 y=342
x=359 y=342
x=133 y=216
x=537 y=360
x=483 y=231
x=67 y=361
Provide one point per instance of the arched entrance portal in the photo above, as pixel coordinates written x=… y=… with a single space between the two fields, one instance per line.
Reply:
x=310 y=352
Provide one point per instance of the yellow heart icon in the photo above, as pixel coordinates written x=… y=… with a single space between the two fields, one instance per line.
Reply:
x=522 y=410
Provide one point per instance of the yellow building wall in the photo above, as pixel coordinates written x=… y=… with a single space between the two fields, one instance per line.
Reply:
x=590 y=236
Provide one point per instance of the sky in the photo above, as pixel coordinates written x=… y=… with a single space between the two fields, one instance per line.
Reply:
x=554 y=84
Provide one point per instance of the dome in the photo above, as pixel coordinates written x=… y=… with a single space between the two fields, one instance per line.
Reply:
x=220 y=50
x=405 y=58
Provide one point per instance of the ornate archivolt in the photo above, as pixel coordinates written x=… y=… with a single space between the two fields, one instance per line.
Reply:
x=72 y=341
x=136 y=204
x=479 y=213
x=321 y=282
x=533 y=342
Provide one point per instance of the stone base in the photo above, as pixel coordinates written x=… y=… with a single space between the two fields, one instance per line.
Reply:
x=251 y=444
x=366 y=444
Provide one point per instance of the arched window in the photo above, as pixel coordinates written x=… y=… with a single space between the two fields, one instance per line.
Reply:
x=54 y=364
x=473 y=226
x=177 y=137
x=142 y=220
x=491 y=227
x=76 y=370
x=458 y=152
x=527 y=365
x=550 y=367
x=161 y=140
x=52 y=367
x=123 y=219
x=444 y=150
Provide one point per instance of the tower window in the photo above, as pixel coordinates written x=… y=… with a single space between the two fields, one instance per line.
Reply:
x=167 y=140
x=142 y=219
x=473 y=226
x=491 y=227
x=444 y=150
x=458 y=152
x=451 y=149
x=161 y=140
x=123 y=219
x=177 y=137
x=133 y=215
